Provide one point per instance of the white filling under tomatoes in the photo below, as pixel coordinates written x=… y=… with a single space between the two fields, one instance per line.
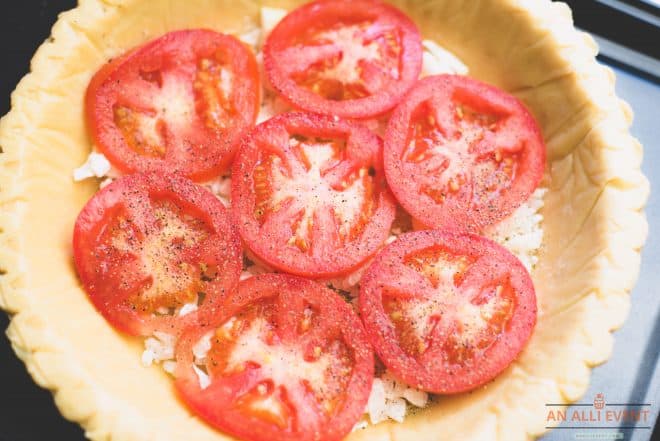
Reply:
x=521 y=233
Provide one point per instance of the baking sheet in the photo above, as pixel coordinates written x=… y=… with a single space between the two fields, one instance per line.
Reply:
x=632 y=375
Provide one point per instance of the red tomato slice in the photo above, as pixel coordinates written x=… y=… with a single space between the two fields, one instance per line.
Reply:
x=309 y=195
x=145 y=245
x=178 y=104
x=289 y=360
x=462 y=154
x=351 y=58
x=446 y=312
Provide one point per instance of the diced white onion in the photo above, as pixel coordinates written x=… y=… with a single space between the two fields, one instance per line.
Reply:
x=96 y=166
x=203 y=378
x=438 y=60
x=270 y=17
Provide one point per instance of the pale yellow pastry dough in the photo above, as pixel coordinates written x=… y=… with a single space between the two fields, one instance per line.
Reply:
x=594 y=225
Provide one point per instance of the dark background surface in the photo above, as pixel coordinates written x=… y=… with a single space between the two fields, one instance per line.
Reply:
x=27 y=413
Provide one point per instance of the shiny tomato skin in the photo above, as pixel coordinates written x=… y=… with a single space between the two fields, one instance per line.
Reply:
x=193 y=125
x=223 y=406
x=461 y=154
x=289 y=204
x=380 y=89
x=472 y=328
x=144 y=232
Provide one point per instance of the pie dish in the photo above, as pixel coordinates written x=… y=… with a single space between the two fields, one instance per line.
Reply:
x=585 y=270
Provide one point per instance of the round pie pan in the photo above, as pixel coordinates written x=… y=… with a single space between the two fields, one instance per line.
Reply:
x=593 y=224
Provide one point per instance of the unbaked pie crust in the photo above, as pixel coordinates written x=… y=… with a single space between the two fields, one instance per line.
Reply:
x=594 y=224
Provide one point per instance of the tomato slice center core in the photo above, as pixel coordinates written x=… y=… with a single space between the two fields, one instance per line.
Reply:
x=158 y=256
x=290 y=375
x=347 y=60
x=323 y=190
x=449 y=311
x=169 y=101
x=461 y=155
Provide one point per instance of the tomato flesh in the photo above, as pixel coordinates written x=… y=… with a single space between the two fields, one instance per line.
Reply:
x=447 y=312
x=354 y=59
x=288 y=360
x=146 y=245
x=310 y=196
x=462 y=154
x=177 y=104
